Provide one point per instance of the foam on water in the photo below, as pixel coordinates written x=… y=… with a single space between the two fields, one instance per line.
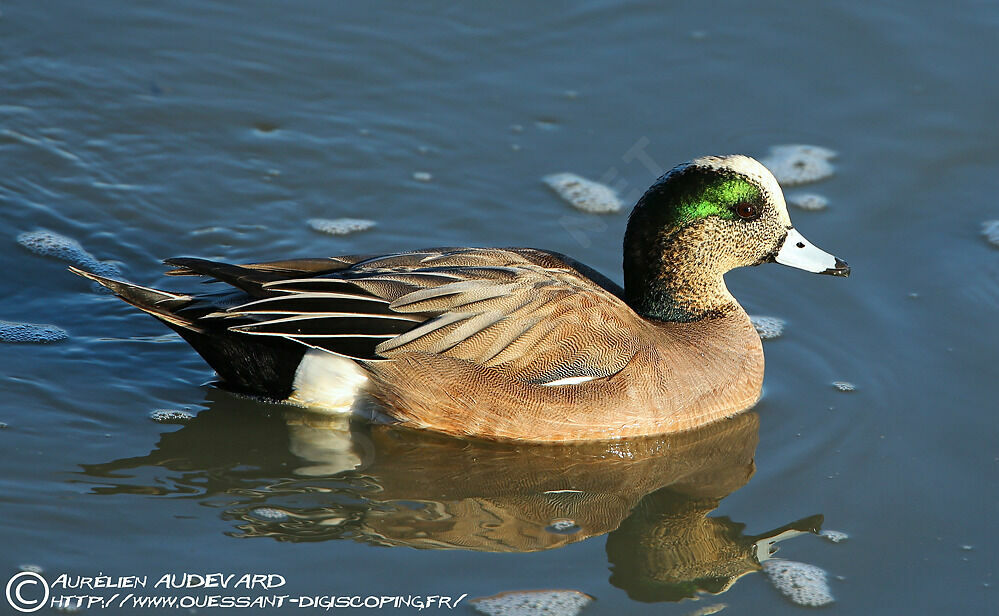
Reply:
x=808 y=201
x=533 y=603
x=844 y=386
x=990 y=229
x=799 y=164
x=340 y=226
x=767 y=327
x=583 y=194
x=422 y=176
x=29 y=568
x=18 y=333
x=49 y=244
x=834 y=535
x=171 y=416
x=270 y=514
x=802 y=583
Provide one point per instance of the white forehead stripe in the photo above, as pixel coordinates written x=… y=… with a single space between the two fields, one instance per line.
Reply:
x=752 y=169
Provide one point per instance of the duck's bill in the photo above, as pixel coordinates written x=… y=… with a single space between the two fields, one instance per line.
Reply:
x=798 y=252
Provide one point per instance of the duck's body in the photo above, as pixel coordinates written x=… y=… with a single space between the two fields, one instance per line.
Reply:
x=510 y=343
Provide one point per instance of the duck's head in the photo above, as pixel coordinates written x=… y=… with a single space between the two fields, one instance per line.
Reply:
x=700 y=220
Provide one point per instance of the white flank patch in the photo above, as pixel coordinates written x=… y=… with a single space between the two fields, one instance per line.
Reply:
x=570 y=380
x=327 y=382
x=340 y=226
x=583 y=194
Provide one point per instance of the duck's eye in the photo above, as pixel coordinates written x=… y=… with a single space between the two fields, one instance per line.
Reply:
x=746 y=210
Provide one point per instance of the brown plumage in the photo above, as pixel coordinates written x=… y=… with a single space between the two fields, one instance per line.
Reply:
x=512 y=343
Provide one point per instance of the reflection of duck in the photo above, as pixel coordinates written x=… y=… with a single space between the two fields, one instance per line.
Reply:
x=436 y=492
x=298 y=477
x=519 y=344
x=668 y=549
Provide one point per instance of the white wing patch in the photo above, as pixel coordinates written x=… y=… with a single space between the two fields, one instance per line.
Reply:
x=570 y=380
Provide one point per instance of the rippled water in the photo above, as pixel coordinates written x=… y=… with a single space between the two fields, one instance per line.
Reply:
x=220 y=130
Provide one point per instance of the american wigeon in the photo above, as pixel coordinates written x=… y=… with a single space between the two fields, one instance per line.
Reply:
x=513 y=343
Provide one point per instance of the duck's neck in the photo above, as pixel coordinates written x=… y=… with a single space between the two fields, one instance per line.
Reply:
x=666 y=278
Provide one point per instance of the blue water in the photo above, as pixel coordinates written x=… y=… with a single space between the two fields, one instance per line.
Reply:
x=145 y=131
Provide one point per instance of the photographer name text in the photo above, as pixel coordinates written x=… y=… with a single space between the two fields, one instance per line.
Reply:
x=246 y=581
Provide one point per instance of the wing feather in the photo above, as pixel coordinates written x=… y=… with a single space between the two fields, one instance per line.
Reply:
x=538 y=316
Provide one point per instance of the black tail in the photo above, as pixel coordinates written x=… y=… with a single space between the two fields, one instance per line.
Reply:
x=260 y=365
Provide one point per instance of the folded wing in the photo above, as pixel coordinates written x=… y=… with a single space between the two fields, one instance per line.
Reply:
x=538 y=316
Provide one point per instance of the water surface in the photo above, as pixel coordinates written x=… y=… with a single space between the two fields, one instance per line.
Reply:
x=146 y=131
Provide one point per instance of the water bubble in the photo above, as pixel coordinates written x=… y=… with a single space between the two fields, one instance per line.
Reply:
x=990 y=229
x=834 y=535
x=583 y=194
x=340 y=226
x=768 y=327
x=269 y=514
x=18 y=333
x=49 y=244
x=168 y=416
x=533 y=603
x=808 y=201
x=422 y=176
x=844 y=386
x=802 y=583
x=563 y=526
x=799 y=164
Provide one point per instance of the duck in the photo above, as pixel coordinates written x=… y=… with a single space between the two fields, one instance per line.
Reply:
x=518 y=344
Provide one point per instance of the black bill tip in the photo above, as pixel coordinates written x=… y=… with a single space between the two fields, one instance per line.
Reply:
x=841 y=269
